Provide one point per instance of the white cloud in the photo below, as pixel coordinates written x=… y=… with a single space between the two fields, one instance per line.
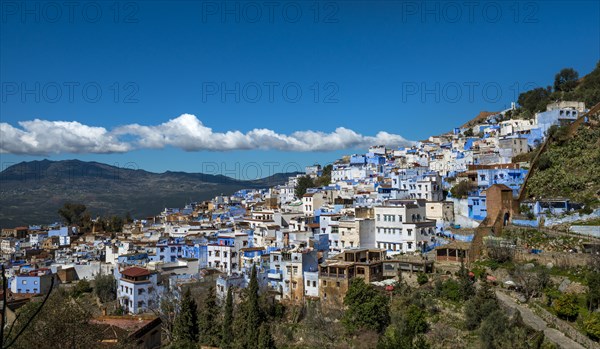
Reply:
x=40 y=137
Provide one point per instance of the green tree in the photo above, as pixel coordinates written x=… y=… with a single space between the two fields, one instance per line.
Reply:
x=250 y=316
x=449 y=289
x=367 y=308
x=535 y=100
x=265 y=339
x=467 y=289
x=593 y=294
x=566 y=80
x=422 y=278
x=304 y=183
x=407 y=331
x=105 y=287
x=462 y=189
x=498 y=331
x=226 y=332
x=113 y=224
x=185 y=329
x=63 y=322
x=72 y=213
x=82 y=286
x=480 y=306
x=208 y=321
x=566 y=306
x=325 y=178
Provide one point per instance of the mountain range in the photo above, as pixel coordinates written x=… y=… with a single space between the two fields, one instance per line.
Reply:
x=32 y=192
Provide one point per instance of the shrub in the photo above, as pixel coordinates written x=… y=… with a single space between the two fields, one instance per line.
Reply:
x=461 y=190
x=83 y=286
x=105 y=288
x=451 y=290
x=591 y=325
x=422 y=278
x=368 y=309
x=566 y=306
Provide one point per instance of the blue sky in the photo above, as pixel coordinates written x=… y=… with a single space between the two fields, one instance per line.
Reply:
x=405 y=68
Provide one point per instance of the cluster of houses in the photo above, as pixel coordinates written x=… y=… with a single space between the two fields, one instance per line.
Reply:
x=380 y=214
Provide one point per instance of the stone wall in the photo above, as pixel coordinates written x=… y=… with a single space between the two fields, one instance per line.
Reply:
x=565 y=328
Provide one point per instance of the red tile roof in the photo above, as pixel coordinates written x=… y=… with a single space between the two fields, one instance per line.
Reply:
x=135 y=272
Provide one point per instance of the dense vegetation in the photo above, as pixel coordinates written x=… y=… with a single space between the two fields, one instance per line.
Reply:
x=306 y=182
x=567 y=87
x=570 y=167
x=78 y=214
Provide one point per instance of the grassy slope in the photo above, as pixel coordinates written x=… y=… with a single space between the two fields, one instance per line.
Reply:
x=574 y=170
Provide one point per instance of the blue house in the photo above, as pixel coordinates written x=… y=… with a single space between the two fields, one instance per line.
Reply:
x=32 y=282
x=477 y=206
x=511 y=177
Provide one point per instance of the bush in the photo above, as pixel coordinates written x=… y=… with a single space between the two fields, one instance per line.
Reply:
x=461 y=190
x=544 y=162
x=566 y=306
x=591 y=325
x=368 y=309
x=83 y=286
x=422 y=278
x=450 y=289
x=478 y=308
x=105 y=288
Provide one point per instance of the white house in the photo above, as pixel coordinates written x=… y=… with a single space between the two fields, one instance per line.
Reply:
x=401 y=226
x=137 y=290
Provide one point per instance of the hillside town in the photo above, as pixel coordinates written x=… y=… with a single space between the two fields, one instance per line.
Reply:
x=383 y=216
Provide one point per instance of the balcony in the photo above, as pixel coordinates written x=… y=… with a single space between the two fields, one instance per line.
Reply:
x=274 y=276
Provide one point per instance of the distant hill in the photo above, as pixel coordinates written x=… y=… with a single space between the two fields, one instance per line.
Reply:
x=32 y=192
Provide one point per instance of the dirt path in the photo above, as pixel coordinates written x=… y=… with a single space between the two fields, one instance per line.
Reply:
x=537 y=323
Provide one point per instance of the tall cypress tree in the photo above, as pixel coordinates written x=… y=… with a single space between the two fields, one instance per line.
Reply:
x=226 y=333
x=252 y=313
x=265 y=340
x=208 y=322
x=185 y=330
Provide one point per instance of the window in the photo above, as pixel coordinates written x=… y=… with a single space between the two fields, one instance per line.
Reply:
x=24 y=282
x=324 y=282
x=337 y=284
x=308 y=283
x=314 y=284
